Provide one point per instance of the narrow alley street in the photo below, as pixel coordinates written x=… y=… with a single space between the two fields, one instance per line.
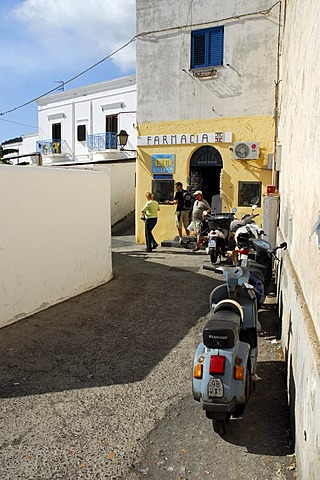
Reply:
x=99 y=387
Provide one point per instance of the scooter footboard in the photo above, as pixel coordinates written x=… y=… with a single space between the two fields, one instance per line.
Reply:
x=219 y=376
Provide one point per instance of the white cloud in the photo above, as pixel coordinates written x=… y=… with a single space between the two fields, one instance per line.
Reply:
x=70 y=35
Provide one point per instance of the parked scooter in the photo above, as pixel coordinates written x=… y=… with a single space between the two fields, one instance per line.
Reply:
x=259 y=262
x=243 y=237
x=224 y=366
x=246 y=219
x=216 y=245
x=241 y=231
x=216 y=228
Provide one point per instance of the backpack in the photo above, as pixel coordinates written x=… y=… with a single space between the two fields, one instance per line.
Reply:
x=187 y=200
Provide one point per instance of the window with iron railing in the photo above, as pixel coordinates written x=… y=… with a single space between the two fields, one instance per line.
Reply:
x=50 y=147
x=102 y=141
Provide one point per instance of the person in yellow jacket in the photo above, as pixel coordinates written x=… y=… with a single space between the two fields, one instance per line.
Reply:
x=150 y=212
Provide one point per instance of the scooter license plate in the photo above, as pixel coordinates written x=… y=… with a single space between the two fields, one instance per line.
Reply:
x=215 y=388
x=244 y=261
x=212 y=243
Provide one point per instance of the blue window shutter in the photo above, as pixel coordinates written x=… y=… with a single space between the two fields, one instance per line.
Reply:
x=198 y=50
x=215 y=50
x=207 y=47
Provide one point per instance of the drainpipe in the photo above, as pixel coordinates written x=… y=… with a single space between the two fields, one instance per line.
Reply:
x=73 y=132
x=276 y=101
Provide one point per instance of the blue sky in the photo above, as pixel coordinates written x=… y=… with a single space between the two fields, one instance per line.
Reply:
x=45 y=41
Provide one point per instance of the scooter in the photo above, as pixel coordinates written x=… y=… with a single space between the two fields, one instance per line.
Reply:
x=259 y=262
x=216 y=227
x=225 y=362
x=240 y=232
x=216 y=245
x=246 y=219
x=243 y=237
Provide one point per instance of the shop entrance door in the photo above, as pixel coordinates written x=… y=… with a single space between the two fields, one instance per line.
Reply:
x=205 y=172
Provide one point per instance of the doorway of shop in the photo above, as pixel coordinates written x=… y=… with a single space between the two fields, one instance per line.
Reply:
x=205 y=172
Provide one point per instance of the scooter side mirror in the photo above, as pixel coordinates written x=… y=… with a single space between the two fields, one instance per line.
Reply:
x=234 y=210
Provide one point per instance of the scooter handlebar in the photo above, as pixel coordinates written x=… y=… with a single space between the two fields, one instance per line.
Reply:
x=272 y=251
x=213 y=269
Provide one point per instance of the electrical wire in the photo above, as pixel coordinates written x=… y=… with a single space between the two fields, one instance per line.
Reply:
x=208 y=22
x=143 y=35
x=18 y=123
x=71 y=79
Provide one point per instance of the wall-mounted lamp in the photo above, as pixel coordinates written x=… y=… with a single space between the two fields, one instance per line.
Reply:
x=122 y=139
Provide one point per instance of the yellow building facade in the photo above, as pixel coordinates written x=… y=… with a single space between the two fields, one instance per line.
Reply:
x=177 y=144
x=207 y=76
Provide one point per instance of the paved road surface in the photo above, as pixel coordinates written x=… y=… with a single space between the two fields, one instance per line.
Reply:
x=99 y=387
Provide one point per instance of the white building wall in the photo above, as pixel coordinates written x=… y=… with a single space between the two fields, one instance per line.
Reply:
x=55 y=239
x=123 y=192
x=28 y=143
x=299 y=133
x=167 y=89
x=122 y=186
x=89 y=105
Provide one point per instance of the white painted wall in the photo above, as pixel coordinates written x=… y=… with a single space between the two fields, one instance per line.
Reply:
x=244 y=86
x=89 y=106
x=55 y=239
x=123 y=192
x=299 y=133
x=122 y=186
x=26 y=146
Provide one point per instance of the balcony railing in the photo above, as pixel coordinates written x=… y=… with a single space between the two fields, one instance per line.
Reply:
x=102 y=141
x=53 y=147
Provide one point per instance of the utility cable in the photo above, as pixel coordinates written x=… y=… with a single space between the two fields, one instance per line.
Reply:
x=142 y=34
x=18 y=123
x=71 y=79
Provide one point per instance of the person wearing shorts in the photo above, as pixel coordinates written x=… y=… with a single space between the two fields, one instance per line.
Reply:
x=200 y=207
x=182 y=213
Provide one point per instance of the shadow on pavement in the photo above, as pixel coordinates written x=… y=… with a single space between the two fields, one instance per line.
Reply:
x=266 y=415
x=114 y=334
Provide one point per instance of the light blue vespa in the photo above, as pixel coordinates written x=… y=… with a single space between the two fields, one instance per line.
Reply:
x=224 y=366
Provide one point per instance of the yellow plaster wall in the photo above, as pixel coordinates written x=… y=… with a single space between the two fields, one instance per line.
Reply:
x=259 y=129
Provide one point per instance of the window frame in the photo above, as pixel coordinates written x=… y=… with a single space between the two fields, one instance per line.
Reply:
x=211 y=49
x=111 y=123
x=169 y=195
x=243 y=183
x=81 y=132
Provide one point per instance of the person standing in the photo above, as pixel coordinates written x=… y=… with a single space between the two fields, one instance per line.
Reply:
x=200 y=208
x=183 y=202
x=150 y=211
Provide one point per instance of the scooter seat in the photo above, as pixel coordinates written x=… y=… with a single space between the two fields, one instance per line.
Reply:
x=222 y=330
x=230 y=306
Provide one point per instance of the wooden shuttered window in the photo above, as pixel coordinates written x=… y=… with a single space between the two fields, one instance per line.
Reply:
x=207 y=47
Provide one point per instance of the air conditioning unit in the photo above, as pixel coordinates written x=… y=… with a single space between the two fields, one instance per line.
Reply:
x=246 y=150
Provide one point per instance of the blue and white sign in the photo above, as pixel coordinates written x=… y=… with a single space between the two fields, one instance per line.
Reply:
x=163 y=163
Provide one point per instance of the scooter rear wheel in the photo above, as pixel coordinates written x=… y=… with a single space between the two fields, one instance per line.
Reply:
x=220 y=425
x=213 y=255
